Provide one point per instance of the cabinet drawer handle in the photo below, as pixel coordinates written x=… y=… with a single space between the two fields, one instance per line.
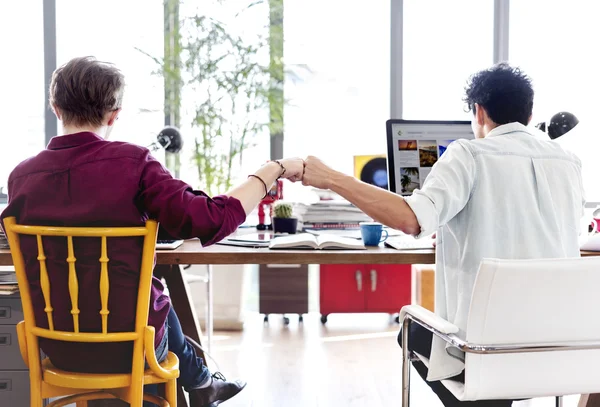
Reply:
x=5 y=385
x=5 y=312
x=284 y=266
x=373 y=280
x=4 y=339
x=358 y=276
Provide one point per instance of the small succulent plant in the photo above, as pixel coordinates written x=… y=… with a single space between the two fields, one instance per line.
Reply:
x=283 y=210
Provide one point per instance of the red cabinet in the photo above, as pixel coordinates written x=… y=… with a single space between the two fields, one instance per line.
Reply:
x=364 y=288
x=342 y=288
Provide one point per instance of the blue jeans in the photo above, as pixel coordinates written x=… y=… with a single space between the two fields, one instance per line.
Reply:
x=192 y=370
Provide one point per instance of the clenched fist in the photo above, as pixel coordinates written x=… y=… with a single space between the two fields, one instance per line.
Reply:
x=317 y=174
x=294 y=168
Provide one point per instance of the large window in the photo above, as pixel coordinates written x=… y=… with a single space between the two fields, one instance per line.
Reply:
x=554 y=43
x=338 y=96
x=22 y=82
x=245 y=22
x=444 y=43
x=112 y=31
x=337 y=58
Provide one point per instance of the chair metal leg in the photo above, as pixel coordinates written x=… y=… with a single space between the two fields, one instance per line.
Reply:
x=559 y=401
x=405 y=364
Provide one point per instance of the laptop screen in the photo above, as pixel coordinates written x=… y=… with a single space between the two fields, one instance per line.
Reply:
x=415 y=146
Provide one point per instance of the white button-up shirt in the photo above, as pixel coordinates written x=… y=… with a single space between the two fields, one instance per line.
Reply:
x=511 y=195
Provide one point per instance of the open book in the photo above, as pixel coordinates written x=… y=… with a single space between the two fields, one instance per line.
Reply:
x=310 y=241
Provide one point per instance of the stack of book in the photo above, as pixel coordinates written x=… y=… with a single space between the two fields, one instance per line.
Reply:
x=3 y=241
x=8 y=278
x=8 y=283
x=339 y=214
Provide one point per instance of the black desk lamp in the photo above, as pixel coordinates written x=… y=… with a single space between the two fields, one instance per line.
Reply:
x=560 y=124
x=170 y=139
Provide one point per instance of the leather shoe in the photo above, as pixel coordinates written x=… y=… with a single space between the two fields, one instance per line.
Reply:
x=219 y=391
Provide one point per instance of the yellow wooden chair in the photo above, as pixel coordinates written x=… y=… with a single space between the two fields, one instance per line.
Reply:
x=50 y=382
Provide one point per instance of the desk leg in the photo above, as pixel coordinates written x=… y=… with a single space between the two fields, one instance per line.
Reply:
x=182 y=303
x=181 y=299
x=209 y=307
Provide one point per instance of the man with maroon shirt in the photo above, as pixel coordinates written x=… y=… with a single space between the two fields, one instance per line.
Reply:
x=81 y=179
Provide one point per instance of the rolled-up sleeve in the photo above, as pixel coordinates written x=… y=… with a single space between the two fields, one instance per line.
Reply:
x=446 y=190
x=183 y=212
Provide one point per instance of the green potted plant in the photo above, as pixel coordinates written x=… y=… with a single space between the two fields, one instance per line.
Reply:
x=283 y=221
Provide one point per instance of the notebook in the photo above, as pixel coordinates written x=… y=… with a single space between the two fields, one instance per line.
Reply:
x=321 y=242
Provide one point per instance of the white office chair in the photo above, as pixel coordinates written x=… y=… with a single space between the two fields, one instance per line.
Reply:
x=533 y=331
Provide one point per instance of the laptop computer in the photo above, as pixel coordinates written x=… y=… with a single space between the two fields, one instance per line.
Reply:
x=168 y=244
x=164 y=241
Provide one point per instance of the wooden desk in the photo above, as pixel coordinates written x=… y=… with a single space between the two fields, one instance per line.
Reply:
x=192 y=252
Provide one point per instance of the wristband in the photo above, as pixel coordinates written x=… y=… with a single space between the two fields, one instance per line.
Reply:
x=263 y=182
x=282 y=168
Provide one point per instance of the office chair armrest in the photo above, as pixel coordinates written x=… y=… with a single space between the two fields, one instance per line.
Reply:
x=22 y=342
x=420 y=314
x=151 y=356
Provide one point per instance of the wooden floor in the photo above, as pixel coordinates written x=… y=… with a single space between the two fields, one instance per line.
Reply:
x=354 y=360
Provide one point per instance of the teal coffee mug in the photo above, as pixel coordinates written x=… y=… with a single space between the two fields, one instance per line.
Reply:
x=372 y=232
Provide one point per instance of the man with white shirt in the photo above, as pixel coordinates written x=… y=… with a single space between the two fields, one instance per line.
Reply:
x=507 y=194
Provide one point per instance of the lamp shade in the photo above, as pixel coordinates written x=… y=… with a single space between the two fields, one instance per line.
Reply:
x=170 y=139
x=561 y=123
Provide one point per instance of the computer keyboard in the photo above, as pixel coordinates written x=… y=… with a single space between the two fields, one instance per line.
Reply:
x=409 y=243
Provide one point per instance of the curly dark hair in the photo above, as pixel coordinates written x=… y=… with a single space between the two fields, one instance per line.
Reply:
x=503 y=91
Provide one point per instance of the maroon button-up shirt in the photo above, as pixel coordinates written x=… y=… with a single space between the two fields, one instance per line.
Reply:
x=84 y=180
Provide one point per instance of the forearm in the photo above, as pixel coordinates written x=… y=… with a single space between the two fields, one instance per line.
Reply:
x=381 y=205
x=252 y=191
